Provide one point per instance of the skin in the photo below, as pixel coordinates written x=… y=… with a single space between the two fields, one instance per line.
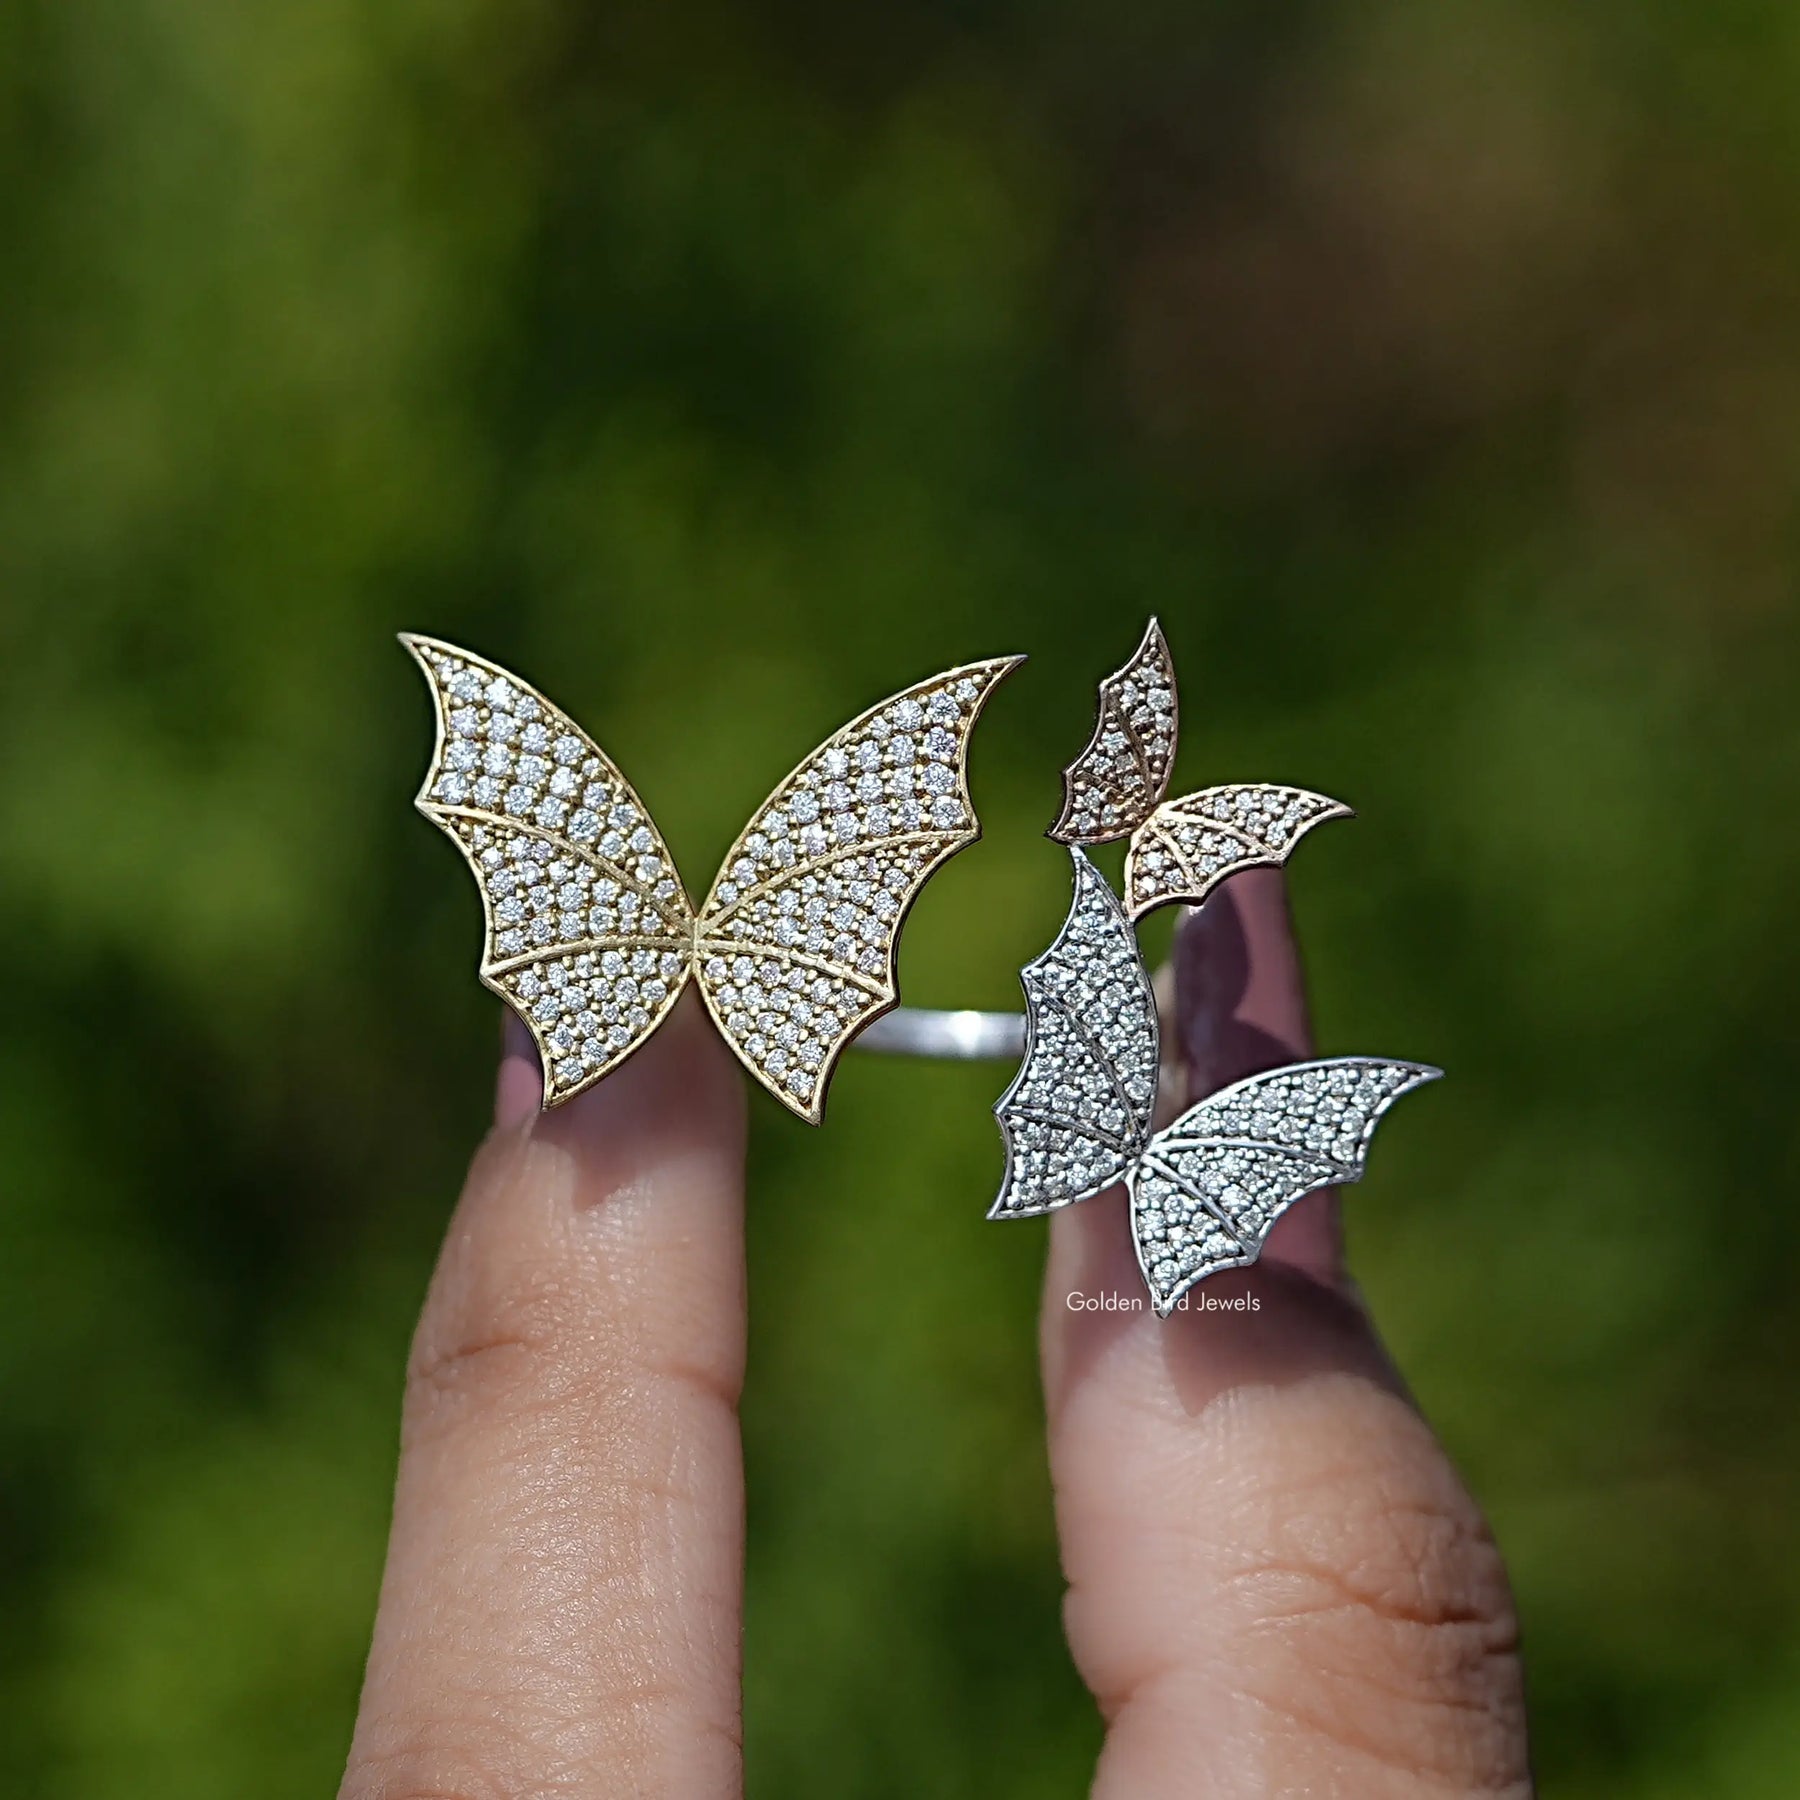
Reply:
x=1277 y=1584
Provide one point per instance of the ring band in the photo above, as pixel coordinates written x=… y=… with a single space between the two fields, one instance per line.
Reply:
x=961 y=1034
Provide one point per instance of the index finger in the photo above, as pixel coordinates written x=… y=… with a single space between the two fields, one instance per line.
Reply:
x=561 y=1606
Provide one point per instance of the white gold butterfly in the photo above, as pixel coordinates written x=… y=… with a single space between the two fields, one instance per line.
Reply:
x=1205 y=1190
x=590 y=933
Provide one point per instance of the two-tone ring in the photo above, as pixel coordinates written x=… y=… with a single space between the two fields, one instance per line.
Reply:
x=590 y=937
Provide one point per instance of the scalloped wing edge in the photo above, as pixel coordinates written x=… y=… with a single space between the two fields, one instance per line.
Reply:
x=1336 y=1173
x=1257 y=855
x=1087 y=880
x=1152 y=645
x=418 y=644
x=814 y=1114
x=492 y=974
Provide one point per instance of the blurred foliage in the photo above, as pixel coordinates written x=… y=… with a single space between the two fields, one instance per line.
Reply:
x=1431 y=366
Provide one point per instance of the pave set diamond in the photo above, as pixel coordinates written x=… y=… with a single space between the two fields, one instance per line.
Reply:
x=590 y=932
x=1080 y=1110
x=1124 y=770
x=1213 y=1183
x=1078 y=1116
x=589 y=1009
x=1206 y=1189
x=798 y=933
x=1188 y=846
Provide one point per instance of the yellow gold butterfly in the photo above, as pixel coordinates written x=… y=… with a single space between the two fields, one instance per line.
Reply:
x=590 y=933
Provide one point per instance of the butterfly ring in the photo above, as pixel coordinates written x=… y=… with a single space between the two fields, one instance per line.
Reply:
x=590 y=934
x=1079 y=1116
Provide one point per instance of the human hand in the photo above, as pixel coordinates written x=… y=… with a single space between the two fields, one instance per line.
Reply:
x=1277 y=1583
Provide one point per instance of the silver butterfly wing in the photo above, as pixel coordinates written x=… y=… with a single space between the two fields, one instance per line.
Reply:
x=1208 y=1187
x=1078 y=1111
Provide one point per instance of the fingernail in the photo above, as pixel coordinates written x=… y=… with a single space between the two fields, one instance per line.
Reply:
x=1240 y=1008
x=676 y=1097
x=1240 y=996
x=678 y=1073
x=519 y=1086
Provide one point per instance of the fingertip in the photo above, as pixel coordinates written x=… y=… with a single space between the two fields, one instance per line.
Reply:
x=677 y=1099
x=1240 y=991
x=679 y=1083
x=1266 y=1549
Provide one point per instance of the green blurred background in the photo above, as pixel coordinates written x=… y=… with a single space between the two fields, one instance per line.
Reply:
x=1431 y=366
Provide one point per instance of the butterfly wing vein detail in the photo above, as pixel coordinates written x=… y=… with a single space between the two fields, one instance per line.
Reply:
x=797 y=941
x=590 y=934
x=1078 y=1113
x=1112 y=786
x=1209 y=1187
x=1187 y=846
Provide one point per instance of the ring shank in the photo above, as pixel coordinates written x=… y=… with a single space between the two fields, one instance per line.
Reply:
x=962 y=1035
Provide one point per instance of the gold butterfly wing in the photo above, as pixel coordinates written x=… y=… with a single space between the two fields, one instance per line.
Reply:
x=797 y=941
x=589 y=933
